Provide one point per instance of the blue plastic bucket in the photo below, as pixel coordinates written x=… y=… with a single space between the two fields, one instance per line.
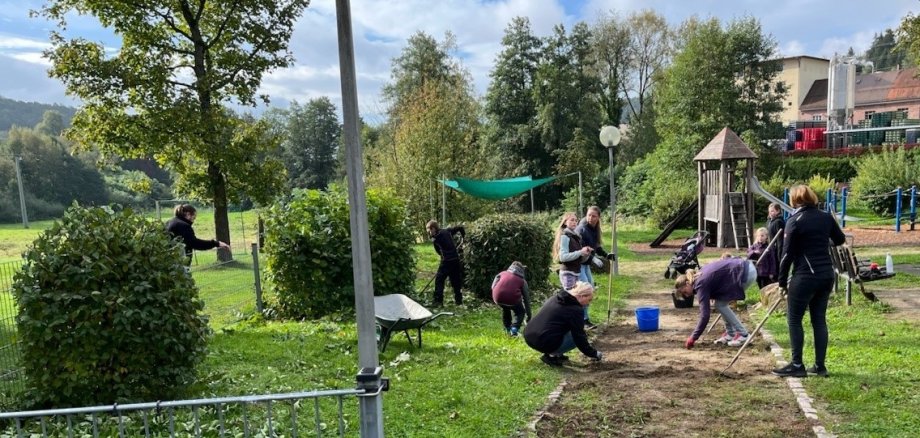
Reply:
x=647 y=318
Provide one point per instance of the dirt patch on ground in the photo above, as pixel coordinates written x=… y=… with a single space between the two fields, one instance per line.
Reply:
x=649 y=385
x=905 y=303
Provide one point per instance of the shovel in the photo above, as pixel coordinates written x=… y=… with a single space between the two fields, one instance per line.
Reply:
x=757 y=329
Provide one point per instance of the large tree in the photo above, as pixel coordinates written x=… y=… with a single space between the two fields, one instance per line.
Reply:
x=432 y=130
x=884 y=52
x=510 y=130
x=310 y=134
x=163 y=93
x=568 y=114
x=723 y=76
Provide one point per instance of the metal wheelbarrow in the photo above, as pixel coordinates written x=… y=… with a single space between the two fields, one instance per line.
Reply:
x=397 y=312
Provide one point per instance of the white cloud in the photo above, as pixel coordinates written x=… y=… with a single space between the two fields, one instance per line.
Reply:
x=17 y=43
x=31 y=57
x=792 y=48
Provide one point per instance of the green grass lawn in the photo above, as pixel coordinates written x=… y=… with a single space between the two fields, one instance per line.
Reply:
x=872 y=360
x=470 y=379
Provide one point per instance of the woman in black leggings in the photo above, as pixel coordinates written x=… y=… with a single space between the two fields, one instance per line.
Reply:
x=808 y=233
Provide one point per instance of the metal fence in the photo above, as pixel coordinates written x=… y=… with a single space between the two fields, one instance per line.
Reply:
x=230 y=291
x=271 y=415
x=11 y=378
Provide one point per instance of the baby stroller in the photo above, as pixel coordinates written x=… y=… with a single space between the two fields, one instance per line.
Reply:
x=686 y=257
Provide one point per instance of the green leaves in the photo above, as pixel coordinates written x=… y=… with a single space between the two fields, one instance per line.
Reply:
x=309 y=251
x=494 y=241
x=107 y=312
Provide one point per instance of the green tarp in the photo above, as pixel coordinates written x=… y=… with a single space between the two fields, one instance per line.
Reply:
x=496 y=188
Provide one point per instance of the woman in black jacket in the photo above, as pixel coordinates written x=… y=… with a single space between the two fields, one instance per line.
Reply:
x=806 y=250
x=181 y=226
x=559 y=326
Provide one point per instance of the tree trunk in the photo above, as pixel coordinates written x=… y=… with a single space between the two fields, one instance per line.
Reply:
x=221 y=221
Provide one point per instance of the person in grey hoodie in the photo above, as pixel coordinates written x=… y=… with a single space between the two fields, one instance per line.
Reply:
x=510 y=292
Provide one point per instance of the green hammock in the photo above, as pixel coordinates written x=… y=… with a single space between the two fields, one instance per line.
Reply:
x=496 y=188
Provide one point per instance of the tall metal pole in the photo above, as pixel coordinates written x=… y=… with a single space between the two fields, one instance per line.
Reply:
x=581 y=205
x=443 y=202
x=531 y=201
x=613 y=217
x=22 y=194
x=369 y=375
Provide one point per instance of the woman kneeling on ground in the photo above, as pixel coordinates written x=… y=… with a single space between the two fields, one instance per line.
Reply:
x=559 y=326
x=723 y=281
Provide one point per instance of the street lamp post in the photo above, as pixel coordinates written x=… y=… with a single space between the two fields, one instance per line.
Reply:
x=610 y=137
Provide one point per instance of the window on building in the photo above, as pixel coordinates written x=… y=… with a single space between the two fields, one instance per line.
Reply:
x=903 y=110
x=816 y=117
x=869 y=114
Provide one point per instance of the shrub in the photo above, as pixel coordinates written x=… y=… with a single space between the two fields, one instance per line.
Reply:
x=494 y=241
x=309 y=250
x=821 y=184
x=107 y=312
x=801 y=169
x=880 y=173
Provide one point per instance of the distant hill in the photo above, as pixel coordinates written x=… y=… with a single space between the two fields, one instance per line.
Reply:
x=29 y=114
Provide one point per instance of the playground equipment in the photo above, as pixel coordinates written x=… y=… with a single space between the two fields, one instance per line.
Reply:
x=726 y=202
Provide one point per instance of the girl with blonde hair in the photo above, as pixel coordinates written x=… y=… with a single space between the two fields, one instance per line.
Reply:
x=568 y=250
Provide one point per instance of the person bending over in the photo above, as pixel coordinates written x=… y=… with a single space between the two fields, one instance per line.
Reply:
x=723 y=281
x=450 y=267
x=510 y=292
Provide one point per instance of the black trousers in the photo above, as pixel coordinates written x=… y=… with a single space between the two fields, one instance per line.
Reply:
x=448 y=269
x=811 y=293
x=518 y=310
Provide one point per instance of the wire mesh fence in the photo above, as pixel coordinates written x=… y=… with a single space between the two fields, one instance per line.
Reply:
x=314 y=413
x=231 y=291
x=11 y=378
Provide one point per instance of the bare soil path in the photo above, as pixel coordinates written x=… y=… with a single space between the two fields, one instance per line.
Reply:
x=649 y=385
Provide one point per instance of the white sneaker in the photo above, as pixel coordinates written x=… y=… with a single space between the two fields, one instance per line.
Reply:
x=724 y=339
x=738 y=340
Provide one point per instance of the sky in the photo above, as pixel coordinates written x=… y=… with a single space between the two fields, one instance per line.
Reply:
x=381 y=28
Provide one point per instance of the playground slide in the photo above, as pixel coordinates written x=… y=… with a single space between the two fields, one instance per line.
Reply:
x=756 y=188
x=673 y=224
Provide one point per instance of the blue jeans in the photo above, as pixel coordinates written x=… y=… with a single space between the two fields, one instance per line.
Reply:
x=568 y=344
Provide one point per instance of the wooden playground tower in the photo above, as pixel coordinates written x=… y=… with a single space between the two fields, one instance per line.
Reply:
x=725 y=170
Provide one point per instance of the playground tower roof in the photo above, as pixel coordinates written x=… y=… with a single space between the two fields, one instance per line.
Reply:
x=726 y=145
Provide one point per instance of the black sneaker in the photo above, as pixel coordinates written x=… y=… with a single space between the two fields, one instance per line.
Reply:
x=552 y=361
x=561 y=357
x=791 y=370
x=590 y=325
x=818 y=371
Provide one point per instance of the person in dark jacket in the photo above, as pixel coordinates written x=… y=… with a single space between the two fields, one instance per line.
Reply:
x=181 y=226
x=806 y=253
x=723 y=281
x=589 y=229
x=450 y=267
x=510 y=292
x=559 y=326
x=775 y=225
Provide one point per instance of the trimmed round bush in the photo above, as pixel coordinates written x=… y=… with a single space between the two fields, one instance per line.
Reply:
x=494 y=241
x=309 y=251
x=107 y=312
